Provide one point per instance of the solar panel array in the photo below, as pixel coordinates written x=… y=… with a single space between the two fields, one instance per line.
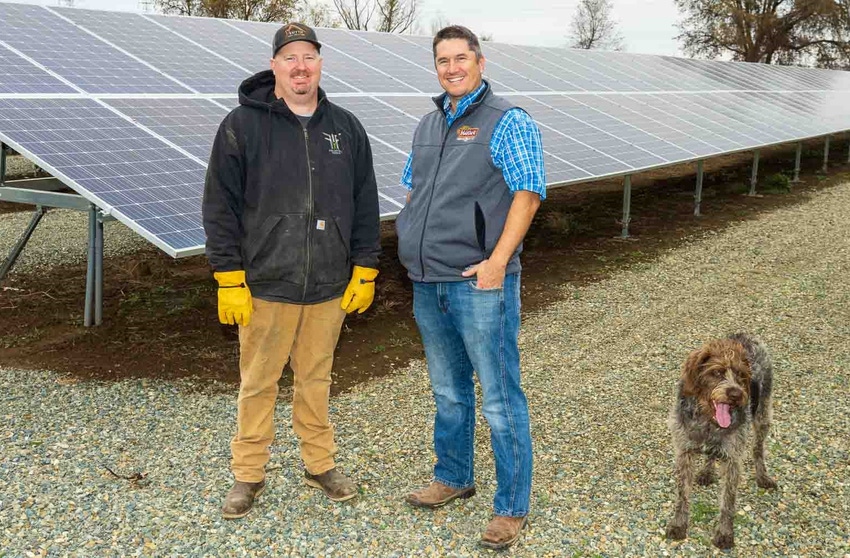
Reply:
x=123 y=107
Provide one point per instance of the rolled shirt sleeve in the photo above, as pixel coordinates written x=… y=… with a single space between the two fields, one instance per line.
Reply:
x=517 y=150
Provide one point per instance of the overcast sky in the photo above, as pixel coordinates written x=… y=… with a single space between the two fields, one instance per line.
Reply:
x=648 y=26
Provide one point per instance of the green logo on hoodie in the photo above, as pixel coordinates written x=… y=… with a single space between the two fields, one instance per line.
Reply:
x=333 y=139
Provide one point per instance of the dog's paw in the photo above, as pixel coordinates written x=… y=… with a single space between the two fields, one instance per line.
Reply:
x=677 y=532
x=766 y=482
x=706 y=477
x=723 y=540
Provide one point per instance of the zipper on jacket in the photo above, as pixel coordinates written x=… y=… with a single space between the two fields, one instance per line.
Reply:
x=431 y=198
x=310 y=216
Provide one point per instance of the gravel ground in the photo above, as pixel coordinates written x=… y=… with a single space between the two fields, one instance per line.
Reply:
x=599 y=369
x=18 y=167
x=62 y=237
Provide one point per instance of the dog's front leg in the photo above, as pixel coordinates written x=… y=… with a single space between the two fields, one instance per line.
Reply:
x=678 y=527
x=724 y=536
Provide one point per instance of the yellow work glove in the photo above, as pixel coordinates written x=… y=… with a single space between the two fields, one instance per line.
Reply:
x=234 y=298
x=360 y=291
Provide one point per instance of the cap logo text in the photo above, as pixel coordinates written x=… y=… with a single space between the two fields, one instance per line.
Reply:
x=293 y=30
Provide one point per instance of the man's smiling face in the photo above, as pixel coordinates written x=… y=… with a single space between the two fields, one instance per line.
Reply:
x=458 y=69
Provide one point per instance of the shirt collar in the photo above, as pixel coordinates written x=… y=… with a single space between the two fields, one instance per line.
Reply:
x=464 y=102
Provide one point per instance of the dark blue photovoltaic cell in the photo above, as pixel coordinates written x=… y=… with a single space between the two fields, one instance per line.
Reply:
x=246 y=52
x=156 y=45
x=380 y=120
x=567 y=66
x=415 y=64
x=147 y=185
x=190 y=124
x=415 y=107
x=681 y=142
x=85 y=61
x=17 y=75
x=577 y=121
x=642 y=149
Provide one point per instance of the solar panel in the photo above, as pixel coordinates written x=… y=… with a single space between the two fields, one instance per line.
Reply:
x=189 y=123
x=410 y=63
x=123 y=107
x=221 y=39
x=17 y=75
x=126 y=171
x=89 y=63
x=155 y=44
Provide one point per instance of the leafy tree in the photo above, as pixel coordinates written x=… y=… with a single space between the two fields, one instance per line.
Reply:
x=811 y=32
x=593 y=27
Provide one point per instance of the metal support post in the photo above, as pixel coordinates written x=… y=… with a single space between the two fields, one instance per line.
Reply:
x=698 y=192
x=755 y=176
x=627 y=204
x=797 y=162
x=2 y=163
x=19 y=246
x=98 y=271
x=825 y=154
x=88 y=320
x=848 y=147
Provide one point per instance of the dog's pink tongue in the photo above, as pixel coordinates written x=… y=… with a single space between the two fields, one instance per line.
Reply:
x=721 y=414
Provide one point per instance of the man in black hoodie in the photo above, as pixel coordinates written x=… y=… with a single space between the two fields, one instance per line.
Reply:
x=291 y=216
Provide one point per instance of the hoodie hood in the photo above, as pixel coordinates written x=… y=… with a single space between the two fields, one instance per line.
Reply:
x=258 y=92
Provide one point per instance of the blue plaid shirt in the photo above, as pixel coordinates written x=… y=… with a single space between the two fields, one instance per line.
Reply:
x=516 y=147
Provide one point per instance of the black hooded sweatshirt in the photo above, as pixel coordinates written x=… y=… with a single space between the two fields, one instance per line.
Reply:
x=294 y=206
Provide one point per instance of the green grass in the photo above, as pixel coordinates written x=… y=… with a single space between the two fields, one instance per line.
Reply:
x=702 y=512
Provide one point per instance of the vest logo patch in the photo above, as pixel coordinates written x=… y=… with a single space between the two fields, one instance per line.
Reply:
x=467 y=133
x=333 y=140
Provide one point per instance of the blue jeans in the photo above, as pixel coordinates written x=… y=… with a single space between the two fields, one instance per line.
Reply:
x=466 y=329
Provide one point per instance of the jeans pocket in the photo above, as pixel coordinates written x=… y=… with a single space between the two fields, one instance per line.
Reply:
x=473 y=284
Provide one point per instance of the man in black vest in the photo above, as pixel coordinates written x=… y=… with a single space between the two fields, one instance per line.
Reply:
x=476 y=179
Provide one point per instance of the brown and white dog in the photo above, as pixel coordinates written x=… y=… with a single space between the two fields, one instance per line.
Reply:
x=726 y=385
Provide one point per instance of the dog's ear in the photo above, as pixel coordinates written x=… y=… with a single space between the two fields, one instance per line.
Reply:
x=691 y=370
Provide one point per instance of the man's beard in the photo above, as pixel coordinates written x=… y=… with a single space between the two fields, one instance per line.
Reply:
x=301 y=89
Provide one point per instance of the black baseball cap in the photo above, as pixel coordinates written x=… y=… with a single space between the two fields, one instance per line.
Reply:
x=292 y=32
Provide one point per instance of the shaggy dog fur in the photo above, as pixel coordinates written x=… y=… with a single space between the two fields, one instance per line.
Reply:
x=726 y=385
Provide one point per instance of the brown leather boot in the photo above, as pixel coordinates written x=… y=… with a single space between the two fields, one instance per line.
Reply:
x=437 y=494
x=240 y=498
x=336 y=486
x=502 y=532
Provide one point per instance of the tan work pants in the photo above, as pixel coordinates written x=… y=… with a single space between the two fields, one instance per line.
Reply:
x=306 y=334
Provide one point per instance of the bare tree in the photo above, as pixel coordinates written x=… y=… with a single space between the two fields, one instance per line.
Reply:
x=317 y=14
x=254 y=10
x=180 y=7
x=812 y=32
x=392 y=16
x=439 y=21
x=396 y=16
x=355 y=14
x=594 y=27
